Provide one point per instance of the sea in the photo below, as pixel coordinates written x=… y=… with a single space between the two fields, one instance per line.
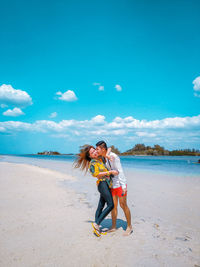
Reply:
x=187 y=165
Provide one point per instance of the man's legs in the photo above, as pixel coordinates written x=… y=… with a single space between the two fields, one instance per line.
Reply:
x=114 y=214
x=124 y=206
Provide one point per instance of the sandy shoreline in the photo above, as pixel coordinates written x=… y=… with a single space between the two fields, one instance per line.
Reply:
x=46 y=224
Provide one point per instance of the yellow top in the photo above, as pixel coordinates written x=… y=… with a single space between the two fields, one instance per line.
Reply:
x=97 y=166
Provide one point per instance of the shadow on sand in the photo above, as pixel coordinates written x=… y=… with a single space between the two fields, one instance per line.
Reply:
x=107 y=223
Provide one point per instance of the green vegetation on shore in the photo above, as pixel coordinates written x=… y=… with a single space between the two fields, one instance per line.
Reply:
x=48 y=153
x=52 y=153
x=156 y=150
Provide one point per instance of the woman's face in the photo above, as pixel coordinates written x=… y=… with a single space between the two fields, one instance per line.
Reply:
x=93 y=153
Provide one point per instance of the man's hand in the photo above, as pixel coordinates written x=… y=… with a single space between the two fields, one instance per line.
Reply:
x=114 y=172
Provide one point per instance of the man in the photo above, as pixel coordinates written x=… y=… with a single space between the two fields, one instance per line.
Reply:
x=119 y=189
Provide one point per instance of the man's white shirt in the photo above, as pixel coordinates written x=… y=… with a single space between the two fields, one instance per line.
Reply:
x=115 y=164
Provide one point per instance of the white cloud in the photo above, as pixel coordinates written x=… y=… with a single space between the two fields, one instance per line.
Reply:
x=196 y=83
x=119 y=132
x=197 y=95
x=196 y=87
x=13 y=126
x=99 y=119
x=145 y=134
x=53 y=115
x=47 y=126
x=118 y=87
x=60 y=135
x=100 y=87
x=96 y=84
x=13 y=112
x=2 y=129
x=67 y=96
x=178 y=129
x=177 y=122
x=11 y=96
x=128 y=124
x=3 y=106
x=99 y=132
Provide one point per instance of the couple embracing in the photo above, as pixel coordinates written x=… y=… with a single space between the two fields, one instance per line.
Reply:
x=105 y=165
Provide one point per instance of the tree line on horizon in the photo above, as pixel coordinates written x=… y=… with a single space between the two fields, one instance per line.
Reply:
x=156 y=150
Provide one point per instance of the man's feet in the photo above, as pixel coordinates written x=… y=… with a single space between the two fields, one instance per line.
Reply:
x=112 y=230
x=128 y=231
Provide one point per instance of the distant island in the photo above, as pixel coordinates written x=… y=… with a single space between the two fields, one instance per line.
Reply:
x=52 y=153
x=48 y=153
x=156 y=150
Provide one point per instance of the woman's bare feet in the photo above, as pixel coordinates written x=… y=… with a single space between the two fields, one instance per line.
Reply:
x=96 y=226
x=128 y=231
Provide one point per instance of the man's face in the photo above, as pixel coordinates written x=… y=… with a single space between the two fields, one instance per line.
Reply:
x=99 y=150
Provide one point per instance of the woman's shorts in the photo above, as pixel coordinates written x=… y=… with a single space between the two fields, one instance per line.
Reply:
x=118 y=192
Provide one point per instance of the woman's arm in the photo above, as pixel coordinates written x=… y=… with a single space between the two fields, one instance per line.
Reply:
x=108 y=173
x=94 y=170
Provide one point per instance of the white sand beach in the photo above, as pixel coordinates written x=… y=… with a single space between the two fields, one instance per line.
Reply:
x=44 y=223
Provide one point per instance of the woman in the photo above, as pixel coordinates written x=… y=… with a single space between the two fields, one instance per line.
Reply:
x=88 y=159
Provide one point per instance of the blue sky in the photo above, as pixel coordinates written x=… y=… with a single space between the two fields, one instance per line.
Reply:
x=74 y=72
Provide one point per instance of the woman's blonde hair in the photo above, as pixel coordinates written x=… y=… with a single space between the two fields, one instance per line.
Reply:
x=83 y=158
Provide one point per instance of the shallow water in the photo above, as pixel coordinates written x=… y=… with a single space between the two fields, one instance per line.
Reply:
x=183 y=165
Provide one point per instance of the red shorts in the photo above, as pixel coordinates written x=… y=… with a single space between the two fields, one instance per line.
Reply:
x=118 y=192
